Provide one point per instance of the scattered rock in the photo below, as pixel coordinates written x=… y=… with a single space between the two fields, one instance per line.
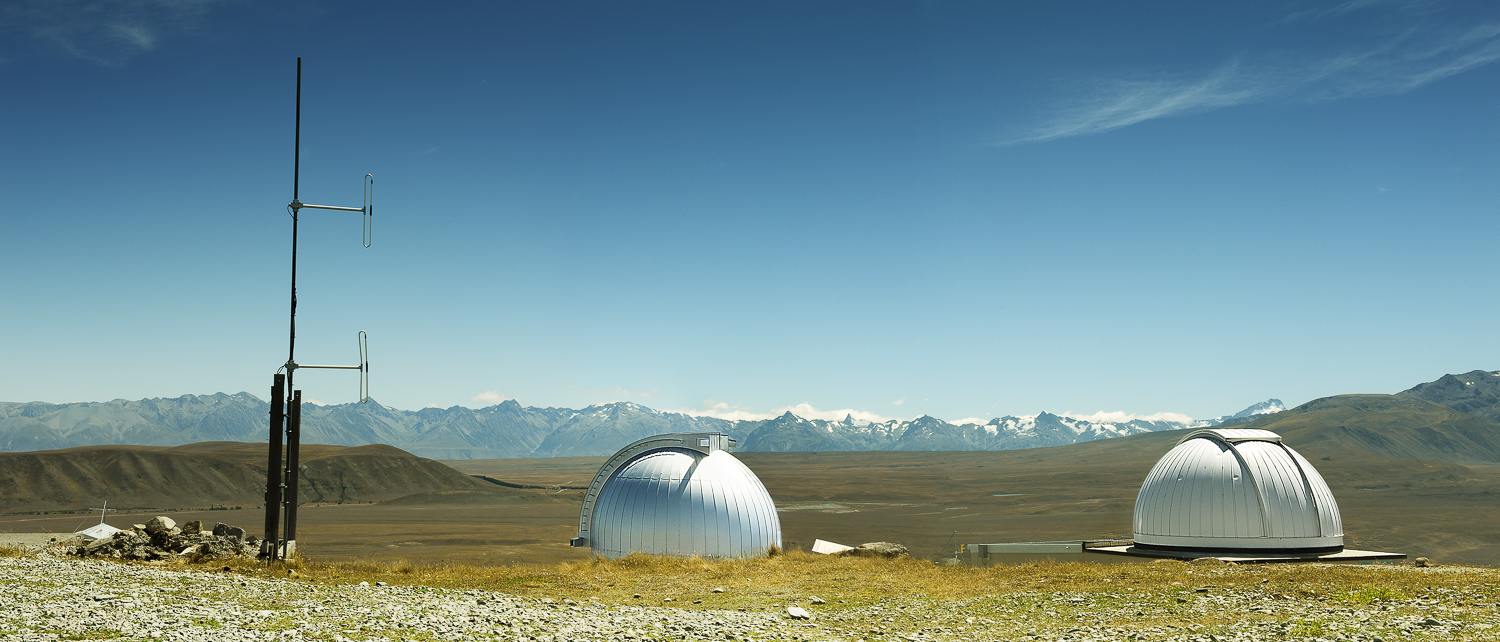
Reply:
x=193 y=528
x=798 y=613
x=160 y=539
x=637 y=596
x=1208 y=561
x=1422 y=562
x=1430 y=622
x=817 y=600
x=719 y=589
x=877 y=549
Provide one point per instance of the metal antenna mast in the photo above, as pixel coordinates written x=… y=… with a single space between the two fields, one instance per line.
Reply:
x=286 y=402
x=104 y=510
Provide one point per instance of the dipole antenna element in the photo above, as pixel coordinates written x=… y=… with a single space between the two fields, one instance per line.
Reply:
x=286 y=401
x=104 y=510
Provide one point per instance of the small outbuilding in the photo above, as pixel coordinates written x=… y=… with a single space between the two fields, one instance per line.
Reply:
x=678 y=494
x=98 y=531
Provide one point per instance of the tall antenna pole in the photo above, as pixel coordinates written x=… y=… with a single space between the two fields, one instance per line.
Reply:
x=291 y=351
x=286 y=401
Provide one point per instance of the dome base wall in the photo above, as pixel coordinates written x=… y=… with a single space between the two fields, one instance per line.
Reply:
x=1240 y=544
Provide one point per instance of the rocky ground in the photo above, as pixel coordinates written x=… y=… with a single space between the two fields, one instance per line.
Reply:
x=45 y=596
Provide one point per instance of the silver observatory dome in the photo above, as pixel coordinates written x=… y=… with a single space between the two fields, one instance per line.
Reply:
x=1236 y=490
x=678 y=494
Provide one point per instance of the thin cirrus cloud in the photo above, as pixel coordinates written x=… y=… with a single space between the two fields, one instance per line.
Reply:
x=1120 y=417
x=108 y=32
x=734 y=412
x=1406 y=62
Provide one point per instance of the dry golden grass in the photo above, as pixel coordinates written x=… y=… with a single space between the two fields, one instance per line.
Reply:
x=889 y=599
x=793 y=576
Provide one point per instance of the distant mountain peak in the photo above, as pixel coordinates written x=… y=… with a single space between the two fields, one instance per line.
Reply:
x=1476 y=392
x=1255 y=411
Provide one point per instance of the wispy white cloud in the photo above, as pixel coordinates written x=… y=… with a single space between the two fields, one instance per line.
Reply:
x=732 y=412
x=1119 y=416
x=969 y=420
x=490 y=397
x=1403 y=63
x=899 y=401
x=1315 y=14
x=108 y=32
x=610 y=395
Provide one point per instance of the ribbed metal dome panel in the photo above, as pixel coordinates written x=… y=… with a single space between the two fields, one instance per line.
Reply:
x=1236 y=489
x=679 y=501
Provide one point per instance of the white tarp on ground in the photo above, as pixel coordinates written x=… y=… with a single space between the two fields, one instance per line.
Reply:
x=98 y=531
x=829 y=548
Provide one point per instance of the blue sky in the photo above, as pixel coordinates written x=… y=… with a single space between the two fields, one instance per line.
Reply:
x=901 y=208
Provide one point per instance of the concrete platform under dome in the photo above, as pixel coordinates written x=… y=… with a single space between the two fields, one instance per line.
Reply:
x=1124 y=552
x=1346 y=556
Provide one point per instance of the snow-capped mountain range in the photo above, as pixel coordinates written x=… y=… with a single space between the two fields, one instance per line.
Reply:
x=510 y=430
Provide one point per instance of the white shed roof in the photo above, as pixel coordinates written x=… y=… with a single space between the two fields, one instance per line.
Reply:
x=98 y=531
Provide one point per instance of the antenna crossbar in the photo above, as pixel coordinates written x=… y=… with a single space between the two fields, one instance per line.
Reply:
x=296 y=205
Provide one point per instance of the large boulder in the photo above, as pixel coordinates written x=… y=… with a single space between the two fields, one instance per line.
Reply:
x=160 y=524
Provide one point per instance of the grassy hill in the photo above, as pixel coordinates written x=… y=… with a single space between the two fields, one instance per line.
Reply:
x=223 y=473
x=1400 y=426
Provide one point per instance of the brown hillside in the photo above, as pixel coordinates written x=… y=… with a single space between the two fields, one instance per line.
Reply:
x=1399 y=426
x=219 y=473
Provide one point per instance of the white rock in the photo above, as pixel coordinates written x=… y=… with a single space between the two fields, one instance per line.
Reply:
x=798 y=613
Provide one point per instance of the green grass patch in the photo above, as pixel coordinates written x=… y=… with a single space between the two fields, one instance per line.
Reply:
x=91 y=634
x=1371 y=594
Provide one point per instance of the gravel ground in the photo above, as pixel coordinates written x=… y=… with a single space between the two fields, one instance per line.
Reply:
x=49 y=598
x=43 y=598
